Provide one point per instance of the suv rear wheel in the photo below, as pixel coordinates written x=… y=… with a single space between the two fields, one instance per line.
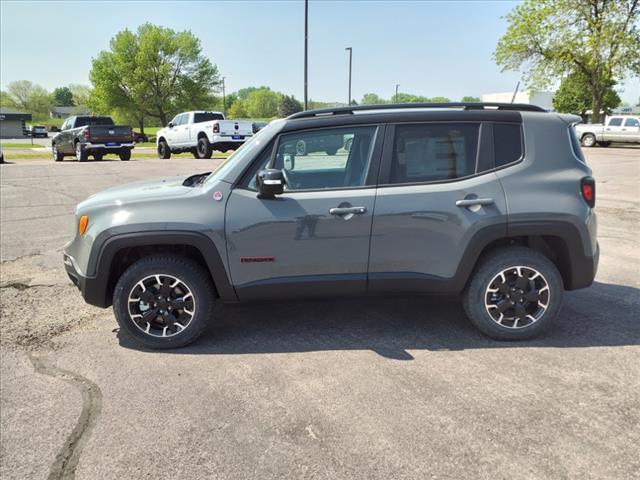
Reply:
x=164 y=301
x=514 y=294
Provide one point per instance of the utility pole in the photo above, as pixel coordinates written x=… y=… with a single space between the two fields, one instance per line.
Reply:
x=224 y=99
x=306 y=35
x=395 y=99
x=350 y=56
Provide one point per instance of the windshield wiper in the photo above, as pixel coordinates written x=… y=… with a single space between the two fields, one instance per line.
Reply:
x=195 y=180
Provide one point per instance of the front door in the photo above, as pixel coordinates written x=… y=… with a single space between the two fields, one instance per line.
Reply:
x=613 y=130
x=313 y=240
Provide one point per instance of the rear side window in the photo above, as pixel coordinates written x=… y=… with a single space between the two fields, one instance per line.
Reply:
x=615 y=122
x=206 y=117
x=507 y=143
x=631 y=122
x=433 y=152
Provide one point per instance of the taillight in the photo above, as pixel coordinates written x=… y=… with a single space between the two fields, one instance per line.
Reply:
x=86 y=134
x=588 y=190
x=216 y=128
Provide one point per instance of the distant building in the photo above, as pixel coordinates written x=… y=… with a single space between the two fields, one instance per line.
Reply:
x=541 y=99
x=12 y=123
x=626 y=111
x=64 y=112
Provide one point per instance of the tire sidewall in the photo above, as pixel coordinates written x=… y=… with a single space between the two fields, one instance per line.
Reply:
x=588 y=140
x=474 y=295
x=188 y=272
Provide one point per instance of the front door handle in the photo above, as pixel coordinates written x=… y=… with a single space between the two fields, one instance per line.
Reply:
x=472 y=202
x=347 y=210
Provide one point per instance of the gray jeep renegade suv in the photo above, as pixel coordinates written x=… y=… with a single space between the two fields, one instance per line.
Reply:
x=490 y=201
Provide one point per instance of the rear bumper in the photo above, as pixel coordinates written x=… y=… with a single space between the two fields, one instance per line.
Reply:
x=104 y=146
x=92 y=289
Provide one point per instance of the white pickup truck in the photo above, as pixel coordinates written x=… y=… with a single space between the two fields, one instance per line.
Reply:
x=201 y=133
x=621 y=128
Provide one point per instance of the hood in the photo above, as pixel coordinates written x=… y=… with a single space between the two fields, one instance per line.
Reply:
x=138 y=192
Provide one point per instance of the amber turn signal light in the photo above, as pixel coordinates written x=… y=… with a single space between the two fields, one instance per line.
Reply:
x=83 y=224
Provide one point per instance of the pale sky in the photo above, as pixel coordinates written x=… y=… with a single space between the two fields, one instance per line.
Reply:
x=429 y=48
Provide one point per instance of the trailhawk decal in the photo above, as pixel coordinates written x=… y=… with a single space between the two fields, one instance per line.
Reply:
x=257 y=259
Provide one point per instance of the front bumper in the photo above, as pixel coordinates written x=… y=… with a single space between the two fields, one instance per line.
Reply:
x=91 y=288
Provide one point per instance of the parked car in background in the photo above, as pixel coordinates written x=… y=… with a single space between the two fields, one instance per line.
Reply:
x=39 y=131
x=53 y=129
x=28 y=131
x=201 y=133
x=139 y=137
x=84 y=135
x=495 y=204
x=623 y=129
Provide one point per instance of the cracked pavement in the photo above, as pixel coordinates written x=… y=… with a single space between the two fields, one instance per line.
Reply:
x=376 y=388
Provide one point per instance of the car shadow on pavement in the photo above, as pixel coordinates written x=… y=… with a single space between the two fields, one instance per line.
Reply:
x=603 y=315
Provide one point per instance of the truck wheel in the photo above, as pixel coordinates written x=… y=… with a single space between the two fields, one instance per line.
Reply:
x=331 y=151
x=125 y=155
x=204 y=148
x=98 y=156
x=588 y=140
x=81 y=153
x=514 y=294
x=604 y=144
x=57 y=156
x=164 y=301
x=163 y=150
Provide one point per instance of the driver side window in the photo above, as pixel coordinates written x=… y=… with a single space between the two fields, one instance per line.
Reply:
x=326 y=158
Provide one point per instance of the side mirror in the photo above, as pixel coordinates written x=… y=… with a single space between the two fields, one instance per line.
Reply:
x=170 y=125
x=270 y=183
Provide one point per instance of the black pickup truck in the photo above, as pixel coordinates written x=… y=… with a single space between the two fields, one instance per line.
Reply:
x=85 y=135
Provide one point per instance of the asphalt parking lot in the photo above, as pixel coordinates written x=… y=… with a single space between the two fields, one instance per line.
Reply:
x=378 y=388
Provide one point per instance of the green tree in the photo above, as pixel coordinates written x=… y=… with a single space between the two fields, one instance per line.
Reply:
x=63 y=97
x=238 y=110
x=470 y=99
x=6 y=101
x=154 y=72
x=80 y=94
x=288 y=105
x=549 y=38
x=573 y=95
x=439 y=100
x=30 y=97
x=262 y=103
x=243 y=93
x=372 y=99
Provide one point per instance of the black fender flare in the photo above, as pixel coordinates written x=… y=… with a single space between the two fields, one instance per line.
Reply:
x=101 y=258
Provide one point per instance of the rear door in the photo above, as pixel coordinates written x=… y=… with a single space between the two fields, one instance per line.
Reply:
x=314 y=238
x=437 y=190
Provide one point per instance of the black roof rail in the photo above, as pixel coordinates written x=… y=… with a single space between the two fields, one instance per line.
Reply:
x=405 y=106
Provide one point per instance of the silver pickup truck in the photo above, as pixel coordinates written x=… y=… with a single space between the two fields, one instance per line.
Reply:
x=616 y=129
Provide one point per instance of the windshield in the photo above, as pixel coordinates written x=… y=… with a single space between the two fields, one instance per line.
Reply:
x=207 y=117
x=247 y=150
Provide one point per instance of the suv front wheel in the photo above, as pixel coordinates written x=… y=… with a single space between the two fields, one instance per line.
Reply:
x=164 y=301
x=514 y=294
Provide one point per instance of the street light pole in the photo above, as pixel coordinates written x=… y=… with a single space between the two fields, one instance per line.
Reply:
x=306 y=34
x=350 y=56
x=395 y=99
x=224 y=99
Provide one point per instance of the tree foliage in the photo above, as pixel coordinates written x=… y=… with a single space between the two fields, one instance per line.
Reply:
x=30 y=97
x=372 y=99
x=238 y=110
x=80 y=94
x=288 y=105
x=550 y=38
x=62 y=97
x=262 y=103
x=574 y=96
x=470 y=99
x=153 y=72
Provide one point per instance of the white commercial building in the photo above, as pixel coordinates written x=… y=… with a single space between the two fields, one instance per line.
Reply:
x=541 y=99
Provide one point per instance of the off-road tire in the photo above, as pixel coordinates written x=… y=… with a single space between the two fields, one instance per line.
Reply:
x=204 y=149
x=125 y=155
x=192 y=274
x=164 y=151
x=81 y=153
x=499 y=260
x=588 y=140
x=98 y=156
x=604 y=144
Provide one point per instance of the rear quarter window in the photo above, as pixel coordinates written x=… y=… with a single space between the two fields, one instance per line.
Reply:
x=507 y=143
x=575 y=144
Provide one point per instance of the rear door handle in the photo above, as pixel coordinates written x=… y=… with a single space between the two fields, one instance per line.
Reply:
x=471 y=202
x=347 y=210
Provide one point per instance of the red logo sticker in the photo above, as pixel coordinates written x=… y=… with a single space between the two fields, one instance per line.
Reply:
x=217 y=196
